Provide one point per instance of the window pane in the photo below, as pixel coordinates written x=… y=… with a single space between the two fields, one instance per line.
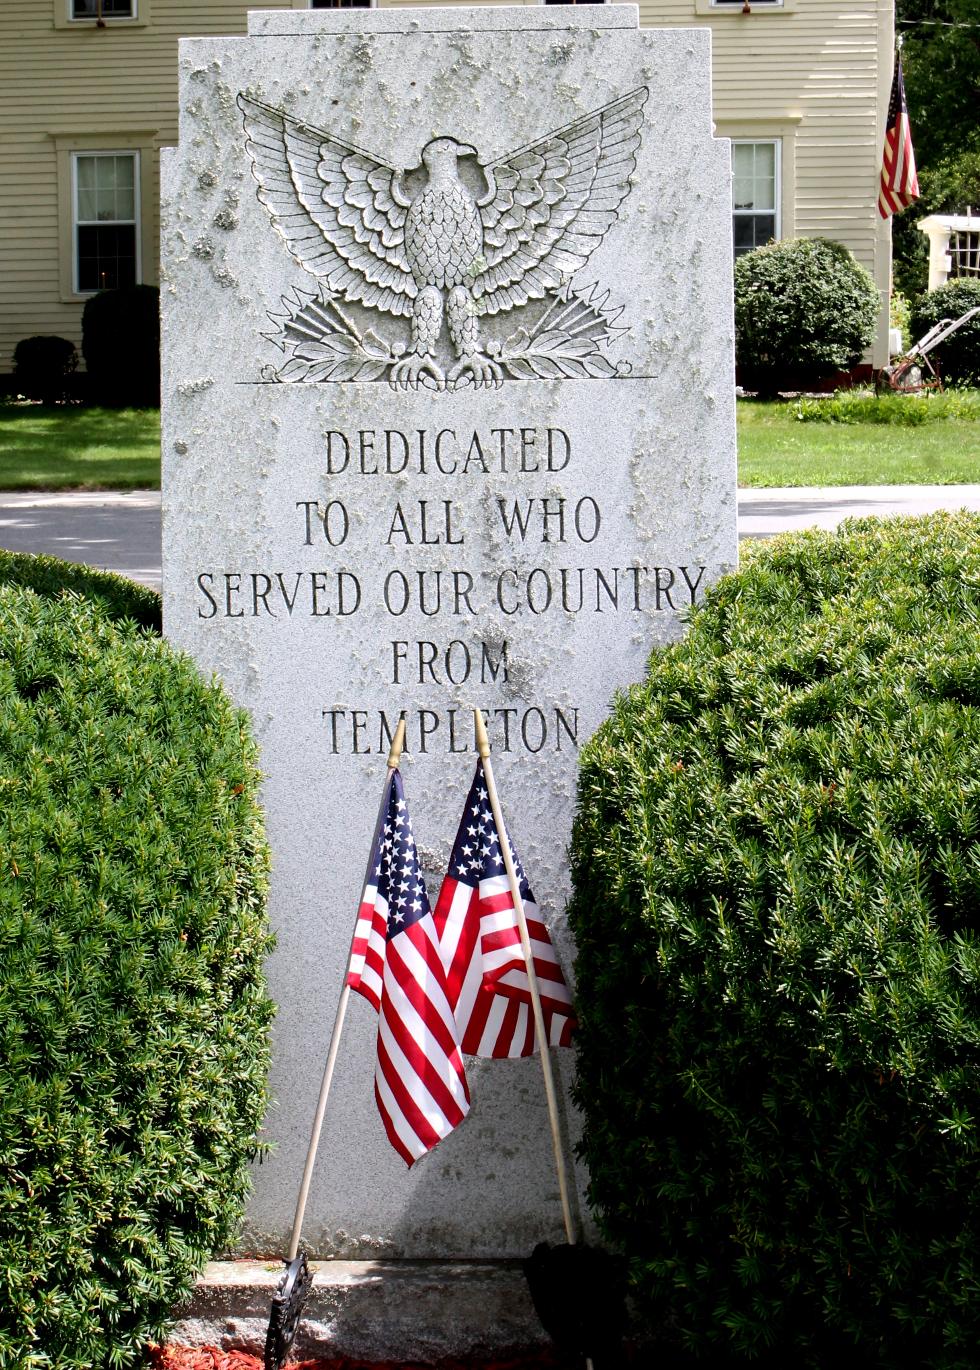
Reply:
x=743 y=193
x=752 y=230
x=106 y=188
x=743 y=160
x=340 y=4
x=123 y=168
x=85 y=173
x=111 y=9
x=765 y=160
x=754 y=176
x=106 y=256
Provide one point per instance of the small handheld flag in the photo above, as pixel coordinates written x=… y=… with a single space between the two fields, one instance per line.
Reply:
x=899 y=185
x=476 y=921
x=419 y=1082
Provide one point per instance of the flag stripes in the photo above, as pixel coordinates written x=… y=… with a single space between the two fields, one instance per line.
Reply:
x=476 y=922
x=396 y=964
x=898 y=183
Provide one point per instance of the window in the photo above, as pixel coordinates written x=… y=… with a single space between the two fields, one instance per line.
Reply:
x=341 y=4
x=105 y=218
x=574 y=2
x=755 y=194
x=964 y=253
x=103 y=9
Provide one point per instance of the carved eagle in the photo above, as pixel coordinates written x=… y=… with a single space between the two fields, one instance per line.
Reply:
x=419 y=243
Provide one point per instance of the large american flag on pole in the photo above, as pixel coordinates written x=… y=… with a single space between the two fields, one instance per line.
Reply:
x=899 y=185
x=476 y=921
x=396 y=964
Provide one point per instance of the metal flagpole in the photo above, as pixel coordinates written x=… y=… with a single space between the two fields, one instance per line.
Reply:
x=394 y=756
x=297 y=1279
x=483 y=747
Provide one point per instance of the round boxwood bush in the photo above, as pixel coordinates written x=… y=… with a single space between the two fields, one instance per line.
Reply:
x=805 y=309
x=776 y=861
x=959 y=355
x=133 y=1013
x=42 y=366
x=121 y=346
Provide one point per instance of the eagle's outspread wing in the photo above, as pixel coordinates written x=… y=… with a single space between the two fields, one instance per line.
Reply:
x=335 y=206
x=550 y=203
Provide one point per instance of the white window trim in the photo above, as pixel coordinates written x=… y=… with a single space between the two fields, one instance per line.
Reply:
x=782 y=128
x=76 y=224
x=67 y=141
x=65 y=19
x=776 y=143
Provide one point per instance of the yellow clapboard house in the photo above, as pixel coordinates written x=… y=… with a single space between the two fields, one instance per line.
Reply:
x=88 y=96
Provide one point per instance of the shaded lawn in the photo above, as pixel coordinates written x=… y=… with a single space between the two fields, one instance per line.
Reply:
x=66 y=448
x=776 y=449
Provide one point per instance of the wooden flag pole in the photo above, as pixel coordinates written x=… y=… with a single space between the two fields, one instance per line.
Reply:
x=394 y=756
x=483 y=747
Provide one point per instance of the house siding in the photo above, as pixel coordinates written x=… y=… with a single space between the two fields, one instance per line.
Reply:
x=814 y=74
x=79 y=83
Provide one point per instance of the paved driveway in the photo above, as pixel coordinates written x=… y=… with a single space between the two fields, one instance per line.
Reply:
x=761 y=513
x=115 y=531
x=121 y=531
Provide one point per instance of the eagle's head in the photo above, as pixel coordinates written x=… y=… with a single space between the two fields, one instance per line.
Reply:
x=441 y=154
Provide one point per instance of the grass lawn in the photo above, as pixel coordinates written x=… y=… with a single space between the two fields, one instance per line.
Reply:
x=858 y=440
x=78 y=448
x=853 y=439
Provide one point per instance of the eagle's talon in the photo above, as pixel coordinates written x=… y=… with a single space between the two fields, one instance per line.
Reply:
x=480 y=368
x=409 y=373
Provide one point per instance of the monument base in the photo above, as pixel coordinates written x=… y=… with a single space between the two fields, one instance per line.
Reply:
x=419 y=1311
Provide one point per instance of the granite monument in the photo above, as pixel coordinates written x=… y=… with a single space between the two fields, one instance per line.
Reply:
x=448 y=421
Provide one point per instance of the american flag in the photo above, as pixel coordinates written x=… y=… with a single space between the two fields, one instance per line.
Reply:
x=899 y=184
x=396 y=964
x=476 y=921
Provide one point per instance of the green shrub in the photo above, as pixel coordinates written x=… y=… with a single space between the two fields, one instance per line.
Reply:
x=804 y=309
x=894 y=410
x=117 y=596
x=121 y=346
x=133 y=1014
x=959 y=356
x=42 y=366
x=776 y=861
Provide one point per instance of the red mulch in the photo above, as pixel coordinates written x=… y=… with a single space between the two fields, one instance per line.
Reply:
x=210 y=1358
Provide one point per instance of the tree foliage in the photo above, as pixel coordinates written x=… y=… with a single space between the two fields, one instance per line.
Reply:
x=941 y=64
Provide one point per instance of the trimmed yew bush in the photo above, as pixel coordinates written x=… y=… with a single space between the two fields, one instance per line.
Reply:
x=42 y=367
x=133 y=1013
x=121 y=346
x=776 y=861
x=116 y=595
x=805 y=308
